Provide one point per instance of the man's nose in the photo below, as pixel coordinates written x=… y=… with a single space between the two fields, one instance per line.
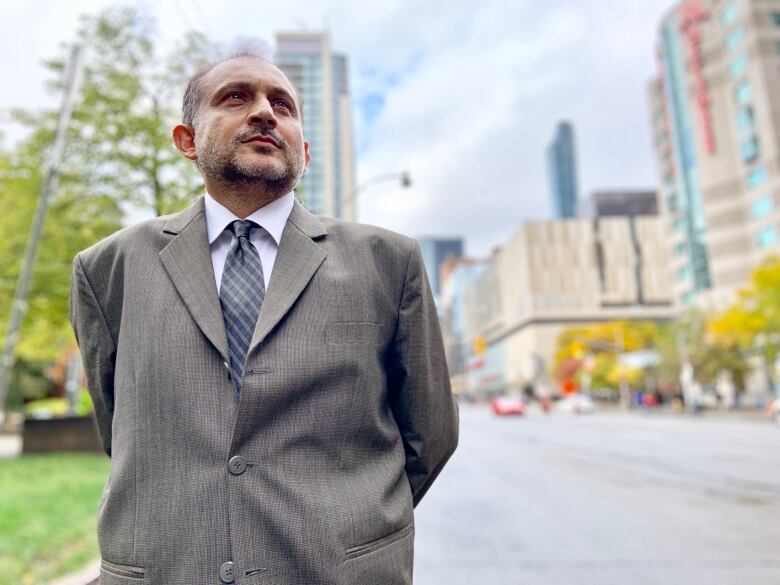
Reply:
x=262 y=114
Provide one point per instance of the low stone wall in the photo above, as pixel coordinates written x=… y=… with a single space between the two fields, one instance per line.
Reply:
x=76 y=433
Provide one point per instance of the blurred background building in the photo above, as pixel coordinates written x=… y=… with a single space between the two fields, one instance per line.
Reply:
x=510 y=309
x=562 y=171
x=321 y=76
x=435 y=251
x=623 y=202
x=715 y=111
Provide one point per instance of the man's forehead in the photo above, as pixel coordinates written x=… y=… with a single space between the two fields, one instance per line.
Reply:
x=246 y=70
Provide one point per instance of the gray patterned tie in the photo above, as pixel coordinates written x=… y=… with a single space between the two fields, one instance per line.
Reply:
x=241 y=294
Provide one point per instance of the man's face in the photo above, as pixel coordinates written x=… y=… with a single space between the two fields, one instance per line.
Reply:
x=248 y=126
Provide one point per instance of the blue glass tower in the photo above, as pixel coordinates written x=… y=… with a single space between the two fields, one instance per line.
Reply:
x=562 y=170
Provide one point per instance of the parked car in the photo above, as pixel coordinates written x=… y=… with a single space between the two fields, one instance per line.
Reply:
x=508 y=405
x=577 y=404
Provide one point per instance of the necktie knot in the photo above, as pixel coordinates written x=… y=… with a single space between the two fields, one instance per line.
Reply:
x=242 y=227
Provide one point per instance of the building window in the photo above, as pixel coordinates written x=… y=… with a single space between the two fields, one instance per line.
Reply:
x=745 y=120
x=729 y=13
x=687 y=298
x=756 y=177
x=739 y=66
x=767 y=237
x=744 y=92
x=734 y=38
x=678 y=224
x=776 y=18
x=684 y=273
x=777 y=48
x=763 y=206
x=681 y=248
x=749 y=149
x=672 y=202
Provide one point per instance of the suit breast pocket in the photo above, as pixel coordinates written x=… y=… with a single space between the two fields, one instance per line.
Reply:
x=360 y=333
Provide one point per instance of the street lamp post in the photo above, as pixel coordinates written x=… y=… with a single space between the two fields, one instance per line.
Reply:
x=403 y=178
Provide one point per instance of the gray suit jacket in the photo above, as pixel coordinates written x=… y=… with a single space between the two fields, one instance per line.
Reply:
x=344 y=419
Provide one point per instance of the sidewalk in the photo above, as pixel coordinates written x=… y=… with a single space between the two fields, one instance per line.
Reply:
x=10 y=445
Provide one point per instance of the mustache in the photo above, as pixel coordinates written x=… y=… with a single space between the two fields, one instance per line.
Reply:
x=269 y=132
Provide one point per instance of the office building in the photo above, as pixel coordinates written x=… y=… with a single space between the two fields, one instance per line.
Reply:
x=556 y=274
x=715 y=115
x=321 y=77
x=617 y=203
x=562 y=171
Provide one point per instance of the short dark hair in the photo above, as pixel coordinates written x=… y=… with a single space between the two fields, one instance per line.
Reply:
x=193 y=91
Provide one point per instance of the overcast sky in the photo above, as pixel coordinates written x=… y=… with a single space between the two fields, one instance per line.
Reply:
x=464 y=95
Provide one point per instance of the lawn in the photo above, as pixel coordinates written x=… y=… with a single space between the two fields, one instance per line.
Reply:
x=48 y=508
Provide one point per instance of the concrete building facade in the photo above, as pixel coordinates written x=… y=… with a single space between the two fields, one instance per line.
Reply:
x=322 y=79
x=715 y=114
x=556 y=274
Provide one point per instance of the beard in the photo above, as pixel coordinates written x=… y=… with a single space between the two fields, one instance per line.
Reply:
x=228 y=167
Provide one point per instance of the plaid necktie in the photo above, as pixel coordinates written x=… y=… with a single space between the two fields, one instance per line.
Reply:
x=241 y=294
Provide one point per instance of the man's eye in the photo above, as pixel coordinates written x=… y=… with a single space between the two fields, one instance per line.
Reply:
x=234 y=95
x=281 y=103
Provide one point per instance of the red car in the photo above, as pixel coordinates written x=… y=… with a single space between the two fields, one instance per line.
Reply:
x=507 y=405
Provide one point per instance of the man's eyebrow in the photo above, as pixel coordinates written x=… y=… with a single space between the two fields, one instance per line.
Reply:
x=250 y=87
x=233 y=86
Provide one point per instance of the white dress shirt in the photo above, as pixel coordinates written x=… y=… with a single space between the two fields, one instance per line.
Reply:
x=271 y=218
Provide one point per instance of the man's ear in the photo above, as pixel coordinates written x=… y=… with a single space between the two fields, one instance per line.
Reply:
x=306 y=155
x=184 y=139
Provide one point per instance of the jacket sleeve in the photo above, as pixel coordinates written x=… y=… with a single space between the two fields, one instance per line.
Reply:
x=419 y=385
x=98 y=350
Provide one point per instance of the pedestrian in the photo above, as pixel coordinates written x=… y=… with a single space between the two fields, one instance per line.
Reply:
x=270 y=385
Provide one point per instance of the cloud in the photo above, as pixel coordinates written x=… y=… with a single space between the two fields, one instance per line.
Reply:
x=472 y=121
x=465 y=96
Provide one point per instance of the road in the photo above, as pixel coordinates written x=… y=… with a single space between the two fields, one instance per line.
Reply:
x=604 y=499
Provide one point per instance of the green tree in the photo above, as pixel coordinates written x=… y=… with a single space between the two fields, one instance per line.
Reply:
x=118 y=156
x=121 y=144
x=690 y=337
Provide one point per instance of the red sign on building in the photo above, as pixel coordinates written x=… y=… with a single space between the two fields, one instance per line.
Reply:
x=692 y=14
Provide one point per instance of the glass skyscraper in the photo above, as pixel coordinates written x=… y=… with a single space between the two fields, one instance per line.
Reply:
x=321 y=77
x=562 y=170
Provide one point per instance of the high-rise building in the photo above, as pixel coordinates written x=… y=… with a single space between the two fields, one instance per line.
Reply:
x=716 y=125
x=434 y=252
x=321 y=77
x=562 y=171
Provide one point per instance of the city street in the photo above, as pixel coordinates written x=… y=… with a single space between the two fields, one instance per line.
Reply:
x=605 y=499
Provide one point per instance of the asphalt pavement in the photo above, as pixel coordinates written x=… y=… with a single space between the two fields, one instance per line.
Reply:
x=604 y=499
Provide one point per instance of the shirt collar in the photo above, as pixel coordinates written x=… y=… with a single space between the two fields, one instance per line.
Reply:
x=272 y=217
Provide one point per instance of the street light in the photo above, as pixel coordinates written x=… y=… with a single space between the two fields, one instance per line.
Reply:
x=404 y=179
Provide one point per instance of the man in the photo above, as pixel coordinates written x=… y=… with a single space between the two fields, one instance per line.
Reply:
x=271 y=386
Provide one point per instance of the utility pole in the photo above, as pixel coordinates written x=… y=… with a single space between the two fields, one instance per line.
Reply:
x=49 y=187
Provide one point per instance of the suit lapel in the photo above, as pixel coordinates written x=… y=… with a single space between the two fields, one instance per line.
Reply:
x=187 y=259
x=296 y=262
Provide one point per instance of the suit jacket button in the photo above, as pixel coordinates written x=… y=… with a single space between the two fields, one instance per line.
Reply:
x=226 y=572
x=237 y=465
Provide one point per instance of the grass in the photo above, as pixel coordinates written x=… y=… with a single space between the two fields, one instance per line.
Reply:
x=48 y=515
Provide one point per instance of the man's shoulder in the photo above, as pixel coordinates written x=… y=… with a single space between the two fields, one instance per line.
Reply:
x=118 y=244
x=359 y=233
